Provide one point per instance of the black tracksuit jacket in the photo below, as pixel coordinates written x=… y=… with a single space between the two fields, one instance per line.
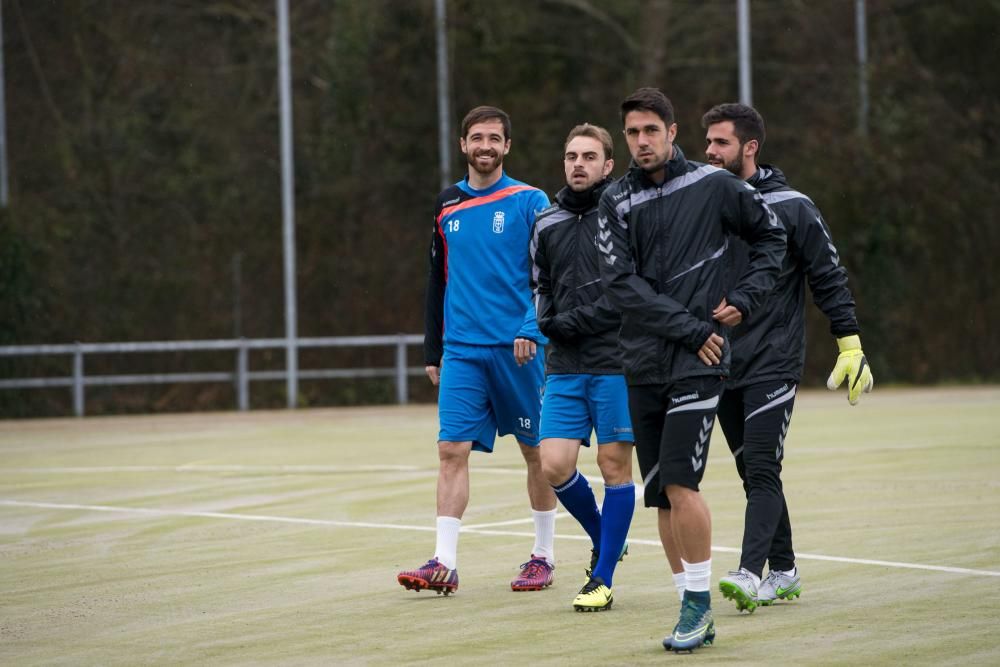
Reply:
x=663 y=268
x=770 y=343
x=573 y=312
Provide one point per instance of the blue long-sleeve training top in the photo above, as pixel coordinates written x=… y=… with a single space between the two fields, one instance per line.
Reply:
x=478 y=290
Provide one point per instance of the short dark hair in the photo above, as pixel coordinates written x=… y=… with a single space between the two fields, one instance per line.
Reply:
x=482 y=114
x=594 y=132
x=747 y=122
x=649 y=99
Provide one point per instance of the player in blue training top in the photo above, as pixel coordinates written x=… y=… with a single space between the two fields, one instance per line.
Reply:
x=584 y=386
x=482 y=346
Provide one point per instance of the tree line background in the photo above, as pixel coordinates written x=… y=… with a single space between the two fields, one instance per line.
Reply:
x=145 y=201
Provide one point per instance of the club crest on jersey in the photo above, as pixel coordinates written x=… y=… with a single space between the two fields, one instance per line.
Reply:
x=498 y=222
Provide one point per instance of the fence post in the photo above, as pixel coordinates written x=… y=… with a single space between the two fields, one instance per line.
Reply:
x=78 y=381
x=402 y=390
x=242 y=376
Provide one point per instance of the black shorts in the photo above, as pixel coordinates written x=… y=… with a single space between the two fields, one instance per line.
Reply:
x=673 y=426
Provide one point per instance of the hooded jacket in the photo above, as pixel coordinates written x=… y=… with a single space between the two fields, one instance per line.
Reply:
x=662 y=264
x=573 y=312
x=770 y=343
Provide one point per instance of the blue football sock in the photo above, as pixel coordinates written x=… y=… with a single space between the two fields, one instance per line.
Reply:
x=616 y=517
x=578 y=498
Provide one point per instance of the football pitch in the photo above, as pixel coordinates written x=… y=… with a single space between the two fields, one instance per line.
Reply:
x=275 y=538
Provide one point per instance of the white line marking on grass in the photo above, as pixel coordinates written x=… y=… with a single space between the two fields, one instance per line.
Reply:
x=465 y=529
x=214 y=515
x=259 y=469
x=512 y=522
x=274 y=469
x=889 y=563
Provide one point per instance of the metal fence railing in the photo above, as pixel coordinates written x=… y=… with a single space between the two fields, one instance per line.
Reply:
x=241 y=376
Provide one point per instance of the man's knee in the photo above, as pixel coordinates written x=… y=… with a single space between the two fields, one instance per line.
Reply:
x=532 y=454
x=557 y=460
x=762 y=472
x=615 y=462
x=682 y=497
x=556 y=463
x=556 y=471
x=454 y=455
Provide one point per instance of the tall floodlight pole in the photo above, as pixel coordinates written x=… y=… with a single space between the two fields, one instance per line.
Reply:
x=743 y=29
x=288 y=205
x=444 y=98
x=861 y=30
x=4 y=194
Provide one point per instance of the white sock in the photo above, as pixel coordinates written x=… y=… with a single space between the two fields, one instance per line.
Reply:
x=788 y=573
x=446 y=550
x=680 y=583
x=545 y=534
x=699 y=575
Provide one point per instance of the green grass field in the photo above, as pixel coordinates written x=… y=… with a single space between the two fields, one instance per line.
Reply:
x=275 y=537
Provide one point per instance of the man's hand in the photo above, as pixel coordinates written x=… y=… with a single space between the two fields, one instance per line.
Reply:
x=524 y=350
x=434 y=373
x=726 y=314
x=711 y=350
x=852 y=366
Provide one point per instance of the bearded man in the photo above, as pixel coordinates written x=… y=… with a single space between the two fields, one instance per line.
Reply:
x=482 y=346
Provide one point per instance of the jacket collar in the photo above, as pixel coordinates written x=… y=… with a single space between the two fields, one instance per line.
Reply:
x=581 y=202
x=768 y=178
x=676 y=166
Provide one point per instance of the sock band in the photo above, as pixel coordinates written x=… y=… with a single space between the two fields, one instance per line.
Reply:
x=680 y=583
x=578 y=498
x=568 y=483
x=446 y=550
x=616 y=517
x=545 y=534
x=699 y=575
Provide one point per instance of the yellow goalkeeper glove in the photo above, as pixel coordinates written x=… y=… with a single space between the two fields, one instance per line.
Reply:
x=852 y=365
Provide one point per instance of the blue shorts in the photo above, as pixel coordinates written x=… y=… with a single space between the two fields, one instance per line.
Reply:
x=577 y=404
x=484 y=392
